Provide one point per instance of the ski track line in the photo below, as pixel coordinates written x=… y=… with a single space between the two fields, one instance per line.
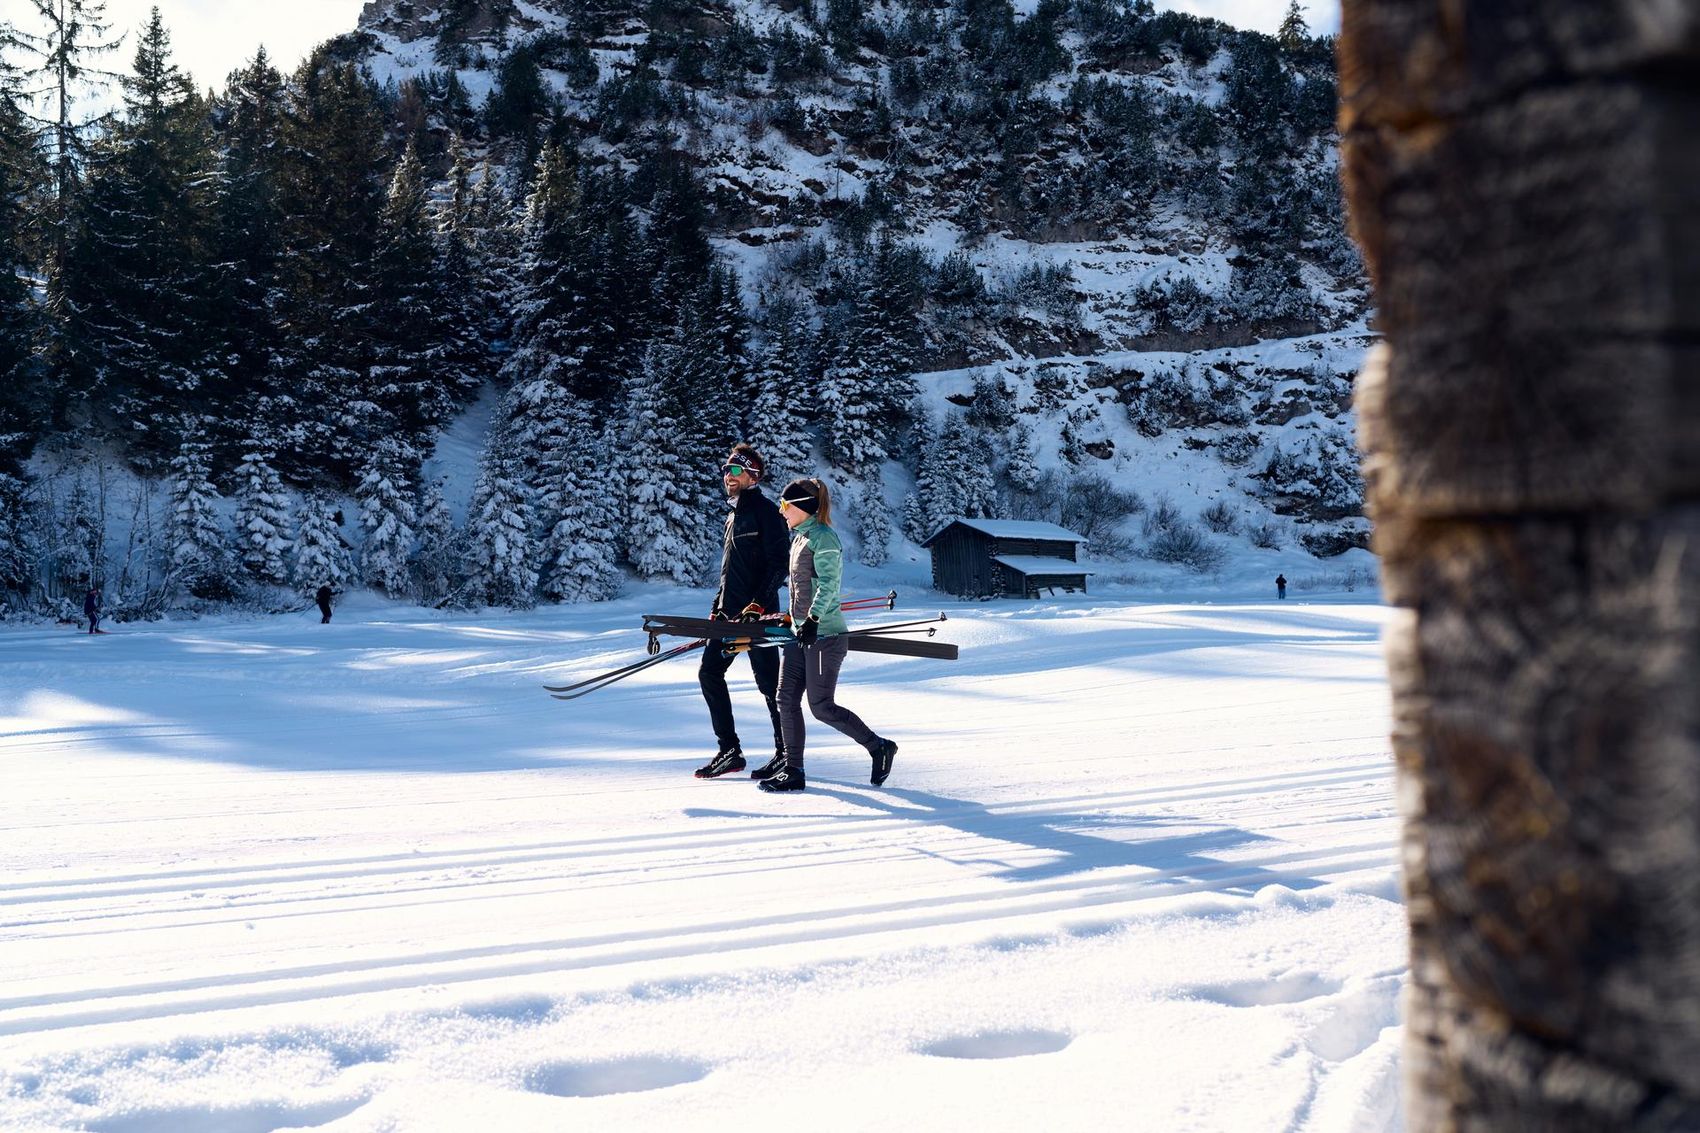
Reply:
x=451 y=894
x=719 y=937
x=391 y=896
x=120 y=885
x=461 y=800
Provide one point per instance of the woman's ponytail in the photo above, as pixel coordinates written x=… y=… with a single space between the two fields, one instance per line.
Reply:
x=824 y=514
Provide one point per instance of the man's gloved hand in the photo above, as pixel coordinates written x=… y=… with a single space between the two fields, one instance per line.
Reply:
x=751 y=613
x=809 y=631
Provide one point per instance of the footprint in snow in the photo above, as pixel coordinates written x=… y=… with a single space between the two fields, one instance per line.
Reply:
x=240 y=1119
x=1294 y=987
x=999 y=1044
x=620 y=1076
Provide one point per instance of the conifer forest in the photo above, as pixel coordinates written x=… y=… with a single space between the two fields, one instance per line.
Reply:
x=956 y=257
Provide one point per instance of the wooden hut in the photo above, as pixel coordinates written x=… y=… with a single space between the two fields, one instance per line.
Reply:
x=1005 y=558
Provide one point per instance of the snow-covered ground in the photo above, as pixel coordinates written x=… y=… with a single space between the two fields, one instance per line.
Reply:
x=1134 y=869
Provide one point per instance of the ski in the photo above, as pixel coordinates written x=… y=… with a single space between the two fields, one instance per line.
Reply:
x=901 y=647
x=769 y=628
x=627 y=670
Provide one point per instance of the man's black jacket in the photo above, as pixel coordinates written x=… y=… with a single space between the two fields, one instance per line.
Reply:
x=755 y=557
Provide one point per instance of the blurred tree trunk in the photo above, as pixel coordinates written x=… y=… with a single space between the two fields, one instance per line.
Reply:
x=1524 y=177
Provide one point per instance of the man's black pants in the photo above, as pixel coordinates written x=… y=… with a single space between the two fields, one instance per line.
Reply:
x=764 y=663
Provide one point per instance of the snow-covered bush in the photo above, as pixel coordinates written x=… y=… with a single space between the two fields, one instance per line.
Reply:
x=1184 y=399
x=1236 y=449
x=1177 y=303
x=1320 y=478
x=1269 y=289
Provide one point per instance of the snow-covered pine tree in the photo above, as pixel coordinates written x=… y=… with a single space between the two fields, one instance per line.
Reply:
x=410 y=336
x=581 y=552
x=666 y=503
x=1022 y=468
x=955 y=480
x=854 y=438
x=246 y=246
x=553 y=319
x=436 y=564
x=137 y=279
x=714 y=332
x=23 y=179
x=321 y=556
x=333 y=198
x=19 y=542
x=916 y=517
x=500 y=550
x=198 y=554
x=387 y=516
x=784 y=402
x=262 y=517
x=78 y=537
x=467 y=290
x=890 y=328
x=873 y=521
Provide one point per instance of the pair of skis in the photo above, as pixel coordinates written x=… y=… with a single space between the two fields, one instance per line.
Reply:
x=766 y=632
x=739 y=637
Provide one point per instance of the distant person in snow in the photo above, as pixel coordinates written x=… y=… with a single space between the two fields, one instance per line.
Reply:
x=811 y=665
x=323 y=598
x=1280 y=586
x=91 y=608
x=752 y=566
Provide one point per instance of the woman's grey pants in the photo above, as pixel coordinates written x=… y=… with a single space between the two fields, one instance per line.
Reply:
x=814 y=669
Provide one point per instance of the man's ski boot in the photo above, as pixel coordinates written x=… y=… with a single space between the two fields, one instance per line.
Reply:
x=882 y=753
x=790 y=779
x=727 y=761
x=769 y=769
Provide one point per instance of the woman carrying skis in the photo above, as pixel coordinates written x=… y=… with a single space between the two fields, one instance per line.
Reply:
x=811 y=665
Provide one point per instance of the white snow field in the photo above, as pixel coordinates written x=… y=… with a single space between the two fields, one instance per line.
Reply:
x=1134 y=870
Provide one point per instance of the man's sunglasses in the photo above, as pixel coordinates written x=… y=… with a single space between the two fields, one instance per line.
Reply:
x=737 y=470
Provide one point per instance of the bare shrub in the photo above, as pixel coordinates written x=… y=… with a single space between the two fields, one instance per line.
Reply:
x=1184 y=544
x=1221 y=518
x=1164 y=516
x=1266 y=535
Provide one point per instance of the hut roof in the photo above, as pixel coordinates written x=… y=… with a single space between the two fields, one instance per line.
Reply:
x=1012 y=529
x=1031 y=565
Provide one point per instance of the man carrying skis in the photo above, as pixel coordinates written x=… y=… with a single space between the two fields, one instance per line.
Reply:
x=754 y=561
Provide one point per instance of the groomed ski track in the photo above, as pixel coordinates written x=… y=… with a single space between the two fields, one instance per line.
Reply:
x=237 y=833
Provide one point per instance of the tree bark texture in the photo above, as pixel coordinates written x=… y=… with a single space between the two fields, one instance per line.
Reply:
x=1524 y=177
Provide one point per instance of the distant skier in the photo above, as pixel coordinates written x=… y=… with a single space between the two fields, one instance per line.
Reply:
x=752 y=567
x=811 y=666
x=1280 y=586
x=91 y=608
x=323 y=598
